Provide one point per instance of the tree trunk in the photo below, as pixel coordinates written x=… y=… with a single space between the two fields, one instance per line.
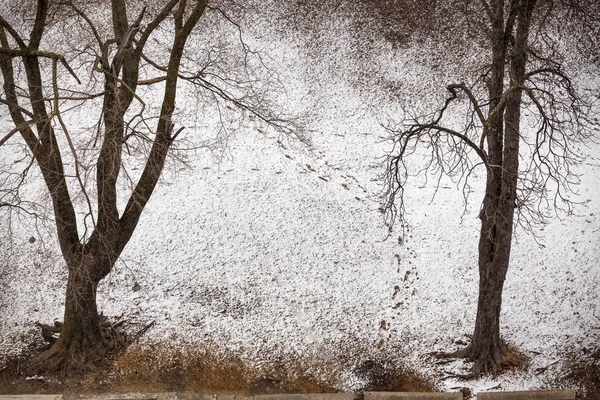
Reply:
x=80 y=343
x=486 y=348
x=80 y=346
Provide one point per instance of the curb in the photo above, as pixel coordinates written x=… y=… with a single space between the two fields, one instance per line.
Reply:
x=413 y=396
x=529 y=395
x=315 y=396
x=126 y=396
x=31 y=397
x=522 y=395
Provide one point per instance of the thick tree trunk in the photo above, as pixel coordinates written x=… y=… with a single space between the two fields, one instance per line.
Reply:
x=486 y=348
x=79 y=347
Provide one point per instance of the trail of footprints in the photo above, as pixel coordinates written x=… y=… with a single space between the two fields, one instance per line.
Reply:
x=402 y=292
x=401 y=296
x=405 y=290
x=350 y=179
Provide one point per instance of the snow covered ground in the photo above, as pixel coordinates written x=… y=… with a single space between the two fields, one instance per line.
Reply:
x=277 y=249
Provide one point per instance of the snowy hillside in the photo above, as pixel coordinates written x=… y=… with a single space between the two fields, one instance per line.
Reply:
x=281 y=249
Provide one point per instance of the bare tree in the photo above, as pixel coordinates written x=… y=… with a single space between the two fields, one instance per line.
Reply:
x=528 y=171
x=126 y=65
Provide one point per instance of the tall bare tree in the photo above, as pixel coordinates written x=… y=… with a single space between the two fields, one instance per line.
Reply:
x=41 y=85
x=526 y=170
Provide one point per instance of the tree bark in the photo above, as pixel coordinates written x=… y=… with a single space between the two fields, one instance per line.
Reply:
x=497 y=218
x=79 y=347
x=486 y=348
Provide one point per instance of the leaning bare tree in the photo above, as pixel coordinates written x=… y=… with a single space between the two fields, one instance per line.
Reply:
x=113 y=68
x=481 y=126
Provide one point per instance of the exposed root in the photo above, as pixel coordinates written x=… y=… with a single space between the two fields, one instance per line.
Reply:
x=139 y=334
x=487 y=365
x=465 y=377
x=69 y=360
x=486 y=362
x=462 y=353
x=73 y=357
x=50 y=333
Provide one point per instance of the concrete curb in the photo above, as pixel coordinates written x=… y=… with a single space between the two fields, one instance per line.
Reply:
x=196 y=396
x=31 y=397
x=413 y=396
x=315 y=396
x=525 y=395
x=121 y=396
x=529 y=395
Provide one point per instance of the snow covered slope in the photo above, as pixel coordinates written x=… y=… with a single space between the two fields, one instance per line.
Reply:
x=278 y=249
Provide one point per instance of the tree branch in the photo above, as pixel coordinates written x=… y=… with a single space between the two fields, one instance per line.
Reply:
x=39 y=25
x=12 y=33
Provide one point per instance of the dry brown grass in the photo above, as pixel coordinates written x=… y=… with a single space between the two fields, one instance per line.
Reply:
x=164 y=366
x=160 y=367
x=582 y=370
x=212 y=369
x=514 y=358
x=384 y=376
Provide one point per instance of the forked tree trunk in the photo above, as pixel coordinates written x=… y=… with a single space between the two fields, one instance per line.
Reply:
x=80 y=342
x=486 y=346
x=497 y=217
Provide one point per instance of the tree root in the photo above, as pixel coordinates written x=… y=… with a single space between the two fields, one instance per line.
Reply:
x=483 y=364
x=66 y=360
x=76 y=357
x=50 y=333
x=462 y=353
x=113 y=338
x=139 y=334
